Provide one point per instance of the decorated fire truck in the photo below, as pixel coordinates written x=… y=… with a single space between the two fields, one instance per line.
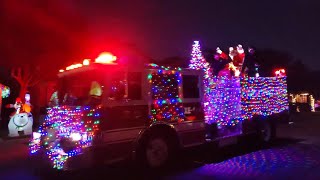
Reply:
x=104 y=111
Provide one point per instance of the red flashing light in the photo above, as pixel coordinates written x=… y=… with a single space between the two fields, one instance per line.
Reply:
x=86 y=62
x=74 y=66
x=106 y=58
x=280 y=72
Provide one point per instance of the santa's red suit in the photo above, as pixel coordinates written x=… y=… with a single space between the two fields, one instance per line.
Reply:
x=226 y=70
x=238 y=59
x=223 y=56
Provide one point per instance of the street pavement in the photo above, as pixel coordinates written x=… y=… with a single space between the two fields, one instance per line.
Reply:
x=294 y=155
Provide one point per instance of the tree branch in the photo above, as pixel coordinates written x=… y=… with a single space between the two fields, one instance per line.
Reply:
x=26 y=79
x=35 y=82
x=29 y=78
x=17 y=76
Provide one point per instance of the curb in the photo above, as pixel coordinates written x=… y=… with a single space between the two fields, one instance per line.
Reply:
x=19 y=139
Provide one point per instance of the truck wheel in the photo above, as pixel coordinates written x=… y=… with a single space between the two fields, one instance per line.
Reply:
x=157 y=151
x=266 y=131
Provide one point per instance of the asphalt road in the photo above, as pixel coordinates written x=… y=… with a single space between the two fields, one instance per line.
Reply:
x=294 y=155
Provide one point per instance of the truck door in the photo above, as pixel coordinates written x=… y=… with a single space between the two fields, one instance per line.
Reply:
x=167 y=105
x=192 y=130
x=125 y=111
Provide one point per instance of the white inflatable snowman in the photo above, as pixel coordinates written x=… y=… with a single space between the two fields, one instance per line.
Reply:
x=21 y=120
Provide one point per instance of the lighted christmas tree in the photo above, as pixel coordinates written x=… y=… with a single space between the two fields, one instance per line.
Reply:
x=198 y=62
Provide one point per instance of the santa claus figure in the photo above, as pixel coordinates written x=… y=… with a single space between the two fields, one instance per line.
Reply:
x=224 y=61
x=222 y=54
x=17 y=106
x=232 y=55
x=239 y=57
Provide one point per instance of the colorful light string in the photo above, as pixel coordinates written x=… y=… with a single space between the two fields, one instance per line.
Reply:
x=74 y=126
x=5 y=91
x=263 y=96
x=225 y=102
x=166 y=84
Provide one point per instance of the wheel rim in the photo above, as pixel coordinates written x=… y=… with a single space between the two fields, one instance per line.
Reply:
x=157 y=152
x=266 y=132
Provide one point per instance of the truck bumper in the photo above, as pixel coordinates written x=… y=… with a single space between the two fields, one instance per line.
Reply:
x=41 y=161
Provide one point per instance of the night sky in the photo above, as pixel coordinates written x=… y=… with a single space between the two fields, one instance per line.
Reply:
x=163 y=28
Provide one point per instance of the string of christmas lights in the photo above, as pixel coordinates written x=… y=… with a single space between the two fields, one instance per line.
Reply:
x=66 y=132
x=226 y=102
x=5 y=91
x=165 y=90
x=263 y=96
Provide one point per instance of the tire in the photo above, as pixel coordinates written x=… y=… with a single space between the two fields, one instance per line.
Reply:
x=157 y=151
x=266 y=131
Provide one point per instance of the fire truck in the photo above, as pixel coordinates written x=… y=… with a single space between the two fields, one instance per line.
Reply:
x=104 y=111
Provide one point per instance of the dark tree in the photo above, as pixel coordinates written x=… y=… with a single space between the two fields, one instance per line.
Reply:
x=43 y=34
x=26 y=77
x=300 y=77
x=39 y=36
x=208 y=54
x=270 y=59
x=174 y=61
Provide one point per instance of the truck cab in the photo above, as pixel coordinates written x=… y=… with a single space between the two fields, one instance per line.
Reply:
x=107 y=112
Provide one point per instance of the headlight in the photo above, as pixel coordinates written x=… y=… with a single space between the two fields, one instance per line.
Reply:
x=36 y=135
x=84 y=137
x=75 y=136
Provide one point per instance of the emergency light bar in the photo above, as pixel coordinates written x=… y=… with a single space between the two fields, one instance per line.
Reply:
x=103 y=58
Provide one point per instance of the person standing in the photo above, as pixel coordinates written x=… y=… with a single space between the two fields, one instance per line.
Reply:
x=250 y=63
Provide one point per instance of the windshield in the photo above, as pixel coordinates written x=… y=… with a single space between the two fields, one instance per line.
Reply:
x=88 y=88
x=83 y=88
